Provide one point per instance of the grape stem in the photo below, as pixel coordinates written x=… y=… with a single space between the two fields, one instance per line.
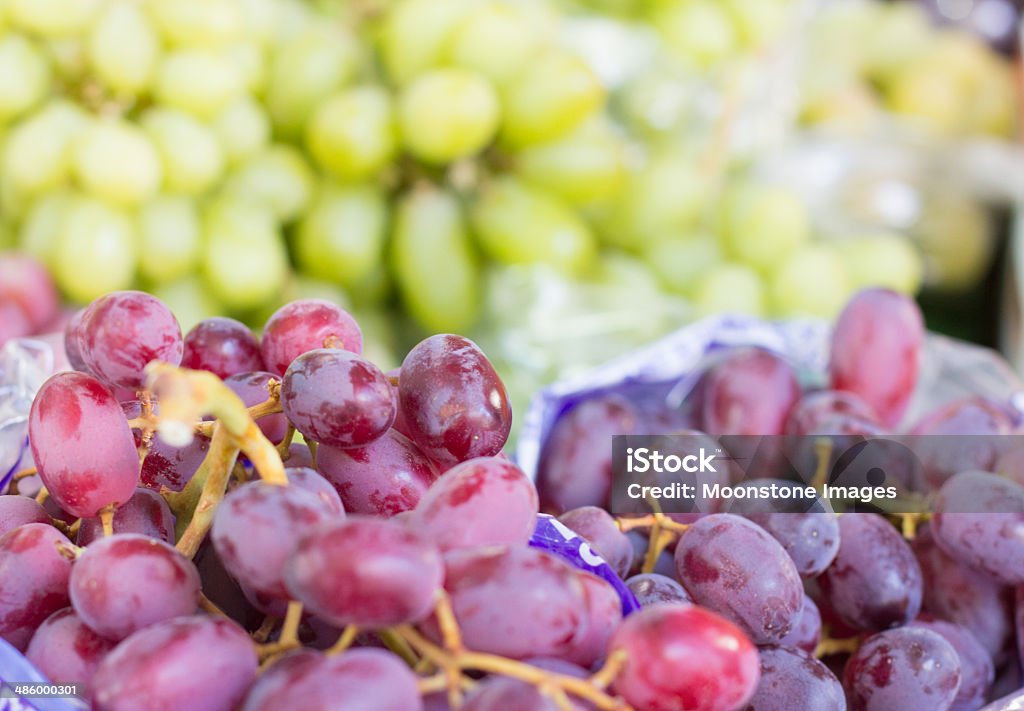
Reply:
x=24 y=474
x=397 y=644
x=42 y=496
x=210 y=482
x=266 y=627
x=107 y=519
x=830 y=645
x=210 y=606
x=663 y=531
x=345 y=640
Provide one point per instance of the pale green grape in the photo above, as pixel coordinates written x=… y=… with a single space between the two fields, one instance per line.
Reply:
x=681 y=262
x=763 y=224
x=24 y=76
x=52 y=18
x=243 y=129
x=341 y=237
x=758 y=22
x=586 y=166
x=244 y=262
x=250 y=59
x=123 y=47
x=516 y=224
x=433 y=262
x=885 y=259
x=497 y=39
x=447 y=114
x=554 y=94
x=40 y=227
x=169 y=238
x=417 y=32
x=810 y=282
x=198 y=81
x=189 y=300
x=352 y=133
x=192 y=156
x=37 y=154
x=305 y=69
x=899 y=34
x=697 y=31
x=198 y=23
x=278 y=178
x=68 y=58
x=306 y=287
x=927 y=96
x=115 y=160
x=261 y=19
x=374 y=289
x=729 y=288
x=95 y=250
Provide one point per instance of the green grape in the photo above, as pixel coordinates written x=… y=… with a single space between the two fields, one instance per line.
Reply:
x=554 y=94
x=68 y=57
x=341 y=237
x=992 y=109
x=927 y=97
x=277 y=177
x=169 y=238
x=516 y=224
x=243 y=129
x=261 y=19
x=24 y=76
x=762 y=224
x=729 y=288
x=373 y=289
x=114 y=160
x=810 y=282
x=497 y=39
x=416 y=33
x=192 y=156
x=37 y=155
x=198 y=23
x=302 y=286
x=899 y=34
x=885 y=259
x=94 y=252
x=586 y=166
x=250 y=59
x=52 y=18
x=681 y=262
x=189 y=300
x=433 y=262
x=697 y=31
x=198 y=81
x=41 y=225
x=305 y=69
x=758 y=21
x=123 y=47
x=446 y=114
x=352 y=133
x=244 y=262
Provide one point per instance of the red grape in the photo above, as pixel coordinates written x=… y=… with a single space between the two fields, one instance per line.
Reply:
x=806 y=633
x=13 y=322
x=598 y=527
x=253 y=389
x=303 y=326
x=501 y=693
x=18 y=510
x=793 y=679
x=309 y=480
x=66 y=651
x=604 y=612
x=146 y=513
x=164 y=465
x=976 y=670
x=818 y=407
x=73 y=335
x=652 y=588
x=33 y=580
x=222 y=346
x=750 y=392
x=810 y=539
x=25 y=283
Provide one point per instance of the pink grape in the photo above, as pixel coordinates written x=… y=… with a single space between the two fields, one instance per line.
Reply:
x=33 y=580
x=73 y=335
x=146 y=513
x=305 y=325
x=876 y=351
x=195 y=663
x=604 y=613
x=66 y=651
x=309 y=480
x=365 y=571
x=14 y=322
x=793 y=679
x=684 y=657
x=164 y=465
x=815 y=408
x=452 y=401
x=298 y=455
x=482 y=502
x=750 y=392
x=82 y=445
x=18 y=510
x=386 y=477
x=598 y=527
x=806 y=633
x=253 y=389
x=25 y=283
x=976 y=670
x=222 y=346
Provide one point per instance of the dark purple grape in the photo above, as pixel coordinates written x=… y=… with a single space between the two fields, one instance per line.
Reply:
x=66 y=651
x=806 y=633
x=793 y=679
x=652 y=588
x=222 y=346
x=816 y=408
x=874 y=581
x=127 y=581
x=604 y=613
x=976 y=670
x=195 y=663
x=909 y=669
x=33 y=580
x=810 y=539
x=733 y=567
x=146 y=513
x=386 y=477
x=305 y=325
x=16 y=510
x=310 y=480
x=452 y=401
x=750 y=392
x=337 y=398
x=253 y=389
x=225 y=592
x=598 y=527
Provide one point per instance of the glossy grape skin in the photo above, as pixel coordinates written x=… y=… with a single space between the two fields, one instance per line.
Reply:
x=576 y=466
x=793 y=679
x=33 y=580
x=806 y=633
x=253 y=389
x=598 y=527
x=310 y=480
x=907 y=668
x=976 y=670
x=683 y=656
x=734 y=568
x=222 y=346
x=125 y=331
x=604 y=613
x=518 y=602
x=164 y=465
x=750 y=392
x=652 y=588
x=452 y=400
x=65 y=650
x=145 y=513
x=73 y=340
x=875 y=581
x=365 y=571
x=304 y=325
x=485 y=501
x=16 y=510
x=364 y=679
x=815 y=408
x=335 y=397
x=979 y=521
x=82 y=445
x=26 y=283
x=128 y=581
x=810 y=539
x=876 y=351
x=386 y=477
x=145 y=671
